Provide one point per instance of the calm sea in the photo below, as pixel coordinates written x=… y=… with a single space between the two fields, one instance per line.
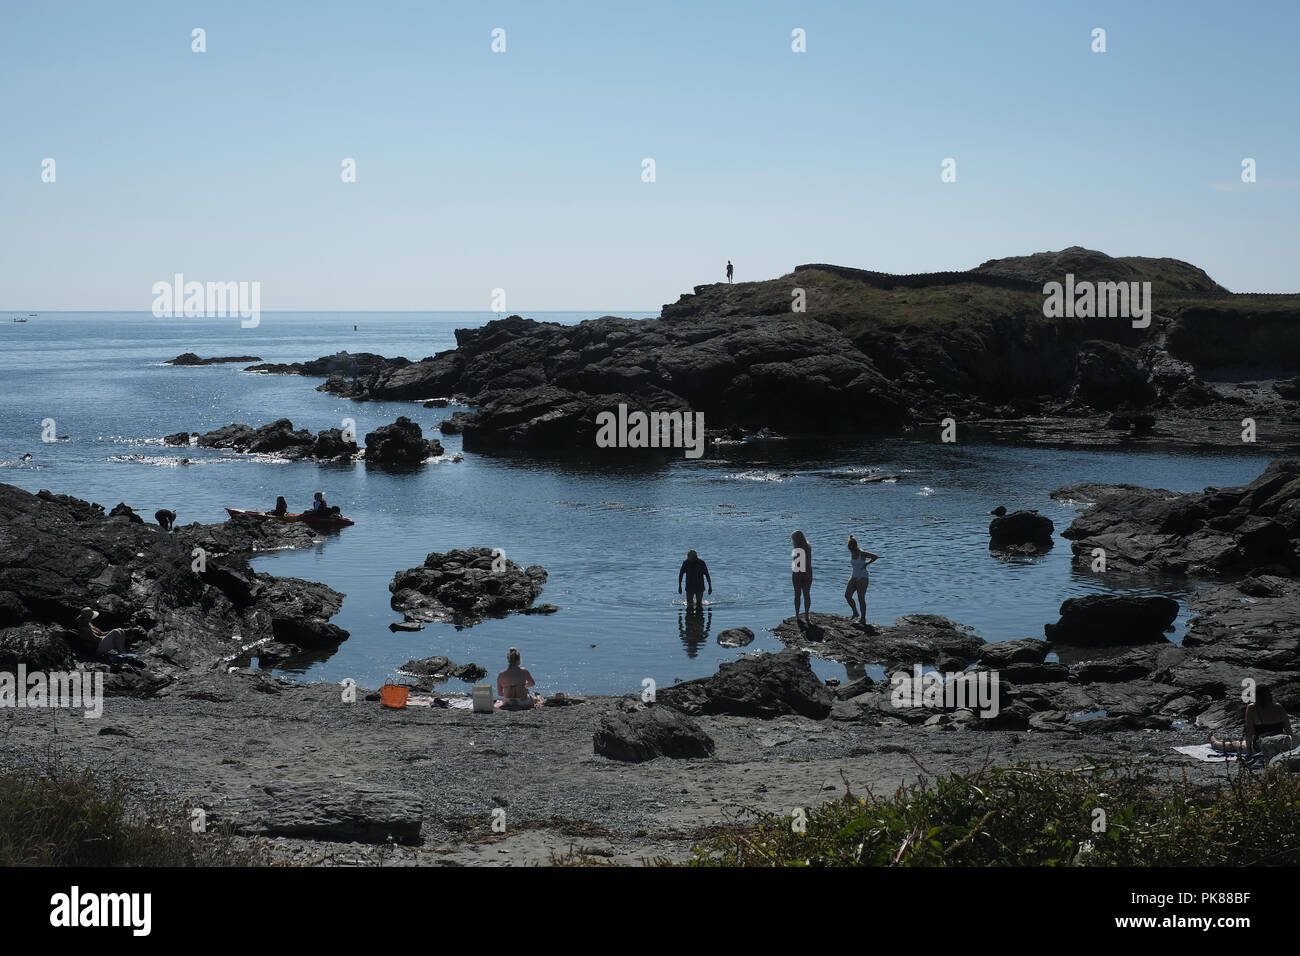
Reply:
x=611 y=533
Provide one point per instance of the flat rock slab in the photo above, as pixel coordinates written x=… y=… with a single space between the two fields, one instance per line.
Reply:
x=913 y=639
x=347 y=812
x=769 y=685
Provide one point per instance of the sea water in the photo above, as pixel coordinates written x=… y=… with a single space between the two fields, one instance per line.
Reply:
x=610 y=530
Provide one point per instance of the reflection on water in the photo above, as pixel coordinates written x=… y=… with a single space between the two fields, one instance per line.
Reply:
x=693 y=627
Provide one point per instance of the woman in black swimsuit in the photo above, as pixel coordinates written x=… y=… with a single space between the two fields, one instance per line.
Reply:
x=1264 y=718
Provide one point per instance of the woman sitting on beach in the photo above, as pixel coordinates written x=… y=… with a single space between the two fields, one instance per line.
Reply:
x=513 y=684
x=859 y=580
x=1264 y=718
x=104 y=643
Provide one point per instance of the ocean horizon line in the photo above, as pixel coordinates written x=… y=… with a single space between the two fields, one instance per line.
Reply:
x=27 y=310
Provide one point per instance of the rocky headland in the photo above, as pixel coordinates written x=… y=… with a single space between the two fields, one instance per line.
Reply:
x=873 y=353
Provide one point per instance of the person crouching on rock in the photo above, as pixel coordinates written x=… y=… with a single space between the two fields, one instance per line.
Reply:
x=858 y=580
x=801 y=573
x=113 y=641
x=695 y=571
x=281 y=507
x=1268 y=729
x=513 y=684
x=165 y=519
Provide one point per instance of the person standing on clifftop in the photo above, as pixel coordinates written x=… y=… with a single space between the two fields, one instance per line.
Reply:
x=729 y=270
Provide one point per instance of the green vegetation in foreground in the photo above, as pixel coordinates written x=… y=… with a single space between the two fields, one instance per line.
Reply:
x=1021 y=816
x=1017 y=816
x=55 y=817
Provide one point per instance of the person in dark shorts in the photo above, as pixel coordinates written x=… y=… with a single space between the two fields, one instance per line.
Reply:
x=696 y=573
x=729 y=270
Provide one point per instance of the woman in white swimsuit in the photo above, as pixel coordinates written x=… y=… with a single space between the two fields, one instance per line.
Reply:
x=859 y=580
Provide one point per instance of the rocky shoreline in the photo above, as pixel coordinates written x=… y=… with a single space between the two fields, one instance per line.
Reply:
x=320 y=774
x=187 y=601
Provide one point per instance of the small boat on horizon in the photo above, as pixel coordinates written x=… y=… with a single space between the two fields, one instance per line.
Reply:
x=18 y=318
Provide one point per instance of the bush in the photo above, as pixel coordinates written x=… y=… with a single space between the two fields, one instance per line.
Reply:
x=54 y=817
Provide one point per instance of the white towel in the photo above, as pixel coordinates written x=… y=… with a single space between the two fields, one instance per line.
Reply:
x=1207 y=753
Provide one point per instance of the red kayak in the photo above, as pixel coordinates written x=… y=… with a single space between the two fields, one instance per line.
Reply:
x=307 y=518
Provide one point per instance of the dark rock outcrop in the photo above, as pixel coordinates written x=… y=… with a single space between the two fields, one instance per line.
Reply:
x=439 y=668
x=401 y=443
x=363 y=364
x=1107 y=619
x=461 y=586
x=767 y=685
x=541 y=383
x=456 y=424
x=123 y=510
x=333 y=444
x=1108 y=375
x=1220 y=530
x=736 y=637
x=636 y=734
x=187 y=600
x=189 y=358
x=1021 y=529
x=279 y=438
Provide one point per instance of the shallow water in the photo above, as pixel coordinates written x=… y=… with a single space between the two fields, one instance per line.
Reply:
x=610 y=532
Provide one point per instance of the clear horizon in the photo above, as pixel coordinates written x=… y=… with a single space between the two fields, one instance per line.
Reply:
x=522 y=170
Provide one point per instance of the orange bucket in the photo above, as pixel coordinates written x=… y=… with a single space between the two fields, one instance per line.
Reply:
x=394 y=695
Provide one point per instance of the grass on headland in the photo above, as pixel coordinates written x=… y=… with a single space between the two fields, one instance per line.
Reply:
x=1032 y=817
x=55 y=817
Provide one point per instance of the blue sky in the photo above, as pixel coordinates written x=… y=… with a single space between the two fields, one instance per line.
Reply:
x=522 y=170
